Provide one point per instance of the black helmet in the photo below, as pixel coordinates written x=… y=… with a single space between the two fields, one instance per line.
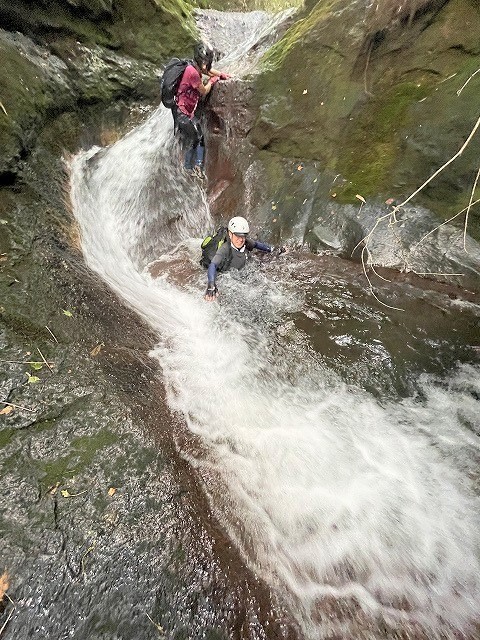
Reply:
x=203 y=55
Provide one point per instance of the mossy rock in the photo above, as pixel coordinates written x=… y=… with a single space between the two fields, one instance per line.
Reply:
x=379 y=109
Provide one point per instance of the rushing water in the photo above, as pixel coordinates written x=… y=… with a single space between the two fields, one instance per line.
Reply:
x=361 y=508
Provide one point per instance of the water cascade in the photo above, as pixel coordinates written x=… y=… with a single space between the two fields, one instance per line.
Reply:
x=360 y=511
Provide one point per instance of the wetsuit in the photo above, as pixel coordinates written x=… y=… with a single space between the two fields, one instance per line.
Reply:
x=228 y=257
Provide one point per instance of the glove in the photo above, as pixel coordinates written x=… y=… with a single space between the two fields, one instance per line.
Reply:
x=214 y=80
x=212 y=292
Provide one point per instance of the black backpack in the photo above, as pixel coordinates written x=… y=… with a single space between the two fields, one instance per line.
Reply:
x=211 y=244
x=172 y=74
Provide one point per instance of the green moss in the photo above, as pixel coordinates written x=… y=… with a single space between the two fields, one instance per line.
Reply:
x=370 y=147
x=155 y=30
x=5 y=435
x=83 y=452
x=276 y=55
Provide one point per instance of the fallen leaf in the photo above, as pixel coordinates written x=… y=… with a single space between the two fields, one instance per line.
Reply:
x=299 y=168
x=53 y=490
x=390 y=201
x=361 y=198
x=6 y=410
x=67 y=313
x=334 y=195
x=3 y=584
x=305 y=91
x=65 y=493
x=322 y=103
x=95 y=351
x=32 y=379
x=274 y=220
x=111 y=491
x=274 y=206
x=315 y=179
x=36 y=366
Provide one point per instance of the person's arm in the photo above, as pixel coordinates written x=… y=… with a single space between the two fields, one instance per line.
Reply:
x=212 y=292
x=221 y=74
x=204 y=89
x=262 y=246
x=266 y=248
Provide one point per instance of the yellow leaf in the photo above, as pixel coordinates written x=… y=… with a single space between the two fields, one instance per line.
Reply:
x=95 y=351
x=3 y=584
x=274 y=206
x=32 y=379
x=299 y=168
x=65 y=493
x=67 y=313
x=111 y=491
x=6 y=410
x=305 y=91
x=361 y=198
x=334 y=195
x=274 y=220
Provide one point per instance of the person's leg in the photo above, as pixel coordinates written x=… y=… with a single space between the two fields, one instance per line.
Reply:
x=189 y=138
x=199 y=155
x=199 y=149
x=189 y=158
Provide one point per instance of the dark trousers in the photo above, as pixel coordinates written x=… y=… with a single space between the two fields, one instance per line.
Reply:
x=191 y=138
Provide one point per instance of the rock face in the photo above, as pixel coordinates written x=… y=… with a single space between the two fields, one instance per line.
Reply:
x=85 y=437
x=348 y=106
x=65 y=56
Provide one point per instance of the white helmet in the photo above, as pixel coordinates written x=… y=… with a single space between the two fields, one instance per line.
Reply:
x=238 y=226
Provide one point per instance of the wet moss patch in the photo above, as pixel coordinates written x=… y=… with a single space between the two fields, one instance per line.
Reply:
x=370 y=148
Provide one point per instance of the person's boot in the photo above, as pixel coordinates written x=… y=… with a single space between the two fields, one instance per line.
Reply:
x=199 y=172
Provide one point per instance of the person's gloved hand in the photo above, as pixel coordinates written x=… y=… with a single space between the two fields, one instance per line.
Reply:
x=214 y=79
x=280 y=250
x=211 y=293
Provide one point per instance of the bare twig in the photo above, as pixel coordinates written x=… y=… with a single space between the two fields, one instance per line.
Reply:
x=370 y=286
x=433 y=273
x=89 y=550
x=369 y=93
x=159 y=628
x=443 y=223
x=10 y=614
x=51 y=333
x=469 y=206
x=43 y=358
x=434 y=175
x=463 y=87
x=22 y=362
x=16 y=406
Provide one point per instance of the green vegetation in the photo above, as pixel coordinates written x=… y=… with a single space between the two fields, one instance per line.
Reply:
x=277 y=54
x=83 y=452
x=372 y=144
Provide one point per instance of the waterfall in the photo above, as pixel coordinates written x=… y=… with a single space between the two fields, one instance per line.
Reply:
x=334 y=498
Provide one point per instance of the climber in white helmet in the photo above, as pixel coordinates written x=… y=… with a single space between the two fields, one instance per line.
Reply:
x=233 y=252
